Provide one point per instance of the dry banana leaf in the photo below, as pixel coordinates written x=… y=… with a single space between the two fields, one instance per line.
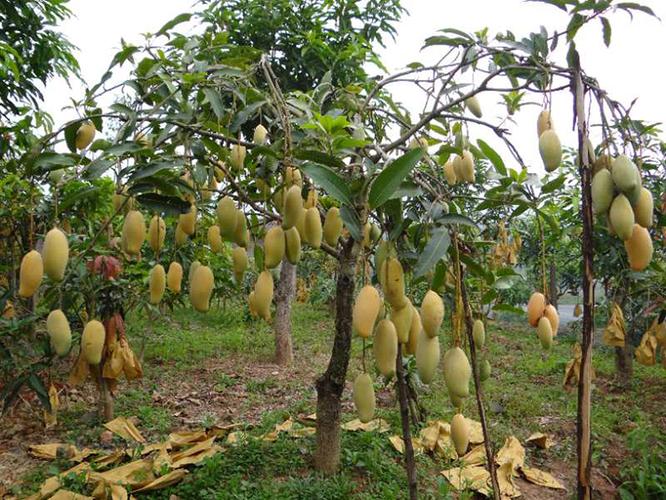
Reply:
x=468 y=478
x=540 y=440
x=378 y=424
x=475 y=456
x=69 y=495
x=169 y=479
x=512 y=452
x=125 y=429
x=507 y=487
x=80 y=371
x=399 y=445
x=541 y=478
x=614 y=333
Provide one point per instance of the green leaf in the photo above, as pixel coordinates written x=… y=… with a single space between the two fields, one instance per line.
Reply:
x=149 y=169
x=70 y=135
x=215 y=100
x=606 y=29
x=353 y=225
x=389 y=179
x=36 y=384
x=551 y=186
x=329 y=181
x=180 y=18
x=75 y=196
x=492 y=155
x=319 y=157
x=95 y=116
x=54 y=161
x=244 y=115
x=447 y=219
x=123 y=148
x=172 y=205
x=97 y=167
x=574 y=25
x=508 y=308
x=433 y=252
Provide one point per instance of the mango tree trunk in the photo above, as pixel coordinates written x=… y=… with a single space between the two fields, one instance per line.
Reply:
x=331 y=384
x=284 y=295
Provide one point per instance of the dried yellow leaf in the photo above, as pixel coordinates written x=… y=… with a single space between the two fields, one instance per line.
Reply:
x=511 y=453
x=468 y=478
x=541 y=440
x=51 y=418
x=399 y=444
x=184 y=438
x=505 y=474
x=134 y=474
x=541 y=478
x=69 y=495
x=197 y=458
x=646 y=352
x=378 y=424
x=169 y=479
x=125 y=429
x=614 y=333
x=475 y=456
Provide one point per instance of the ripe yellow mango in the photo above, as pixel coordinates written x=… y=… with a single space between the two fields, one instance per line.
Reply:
x=201 y=288
x=535 y=308
x=175 y=277
x=479 y=334
x=274 y=247
x=550 y=149
x=460 y=431
x=450 y=173
x=621 y=216
x=432 y=313
x=292 y=245
x=92 y=342
x=59 y=332
x=364 y=397
x=215 y=239
x=156 y=233
x=260 y=135
x=402 y=320
x=227 y=217
x=543 y=122
x=457 y=372
x=414 y=332
x=293 y=206
x=466 y=168
x=237 y=157
x=134 y=232
x=85 y=135
x=474 y=106
x=553 y=316
x=239 y=258
x=55 y=254
x=156 y=283
x=639 y=248
x=30 y=273
x=188 y=221
x=313 y=229
x=180 y=236
x=242 y=233
x=332 y=226
x=394 y=283
x=644 y=208
x=263 y=295
x=427 y=357
x=385 y=347
x=366 y=309
x=545 y=333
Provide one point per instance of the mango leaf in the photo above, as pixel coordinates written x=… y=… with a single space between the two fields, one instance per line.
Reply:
x=329 y=181
x=75 y=196
x=180 y=18
x=70 y=135
x=351 y=221
x=36 y=384
x=54 y=161
x=447 y=219
x=319 y=157
x=167 y=204
x=244 y=115
x=433 y=252
x=259 y=256
x=492 y=155
x=389 y=180
x=122 y=148
x=97 y=167
x=551 y=186
x=148 y=170
x=215 y=100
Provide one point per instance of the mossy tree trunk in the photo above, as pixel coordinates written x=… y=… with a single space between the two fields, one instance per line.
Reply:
x=331 y=384
x=284 y=295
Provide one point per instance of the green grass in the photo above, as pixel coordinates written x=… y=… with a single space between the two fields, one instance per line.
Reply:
x=523 y=395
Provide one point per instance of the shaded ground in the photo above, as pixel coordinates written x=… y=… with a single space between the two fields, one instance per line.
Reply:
x=210 y=369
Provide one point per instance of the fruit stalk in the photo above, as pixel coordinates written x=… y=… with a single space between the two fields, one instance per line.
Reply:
x=410 y=465
x=584 y=419
x=469 y=326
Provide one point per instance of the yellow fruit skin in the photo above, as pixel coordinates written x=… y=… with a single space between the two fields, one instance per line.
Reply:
x=535 y=307
x=157 y=283
x=201 y=288
x=550 y=149
x=432 y=313
x=241 y=234
x=543 y=122
x=450 y=173
x=193 y=267
x=479 y=334
x=293 y=177
x=274 y=247
x=293 y=206
x=602 y=191
x=364 y=397
x=85 y=135
x=252 y=305
x=134 y=232
x=466 y=168
x=639 y=248
x=59 y=332
x=175 y=277
x=457 y=372
x=332 y=226
x=292 y=245
x=457 y=167
x=156 y=233
x=239 y=258
x=394 y=281
x=263 y=294
x=55 y=254
x=427 y=357
x=414 y=332
x=312 y=199
x=313 y=229
x=215 y=239
x=237 y=156
x=92 y=342
x=460 y=433
x=260 y=134
x=644 y=208
x=545 y=333
x=624 y=173
x=180 y=236
x=553 y=317
x=188 y=221
x=366 y=309
x=300 y=224
x=402 y=320
x=621 y=216
x=227 y=217
x=474 y=106
x=385 y=347
x=30 y=274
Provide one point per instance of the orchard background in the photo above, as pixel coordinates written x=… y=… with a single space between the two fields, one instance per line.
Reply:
x=260 y=255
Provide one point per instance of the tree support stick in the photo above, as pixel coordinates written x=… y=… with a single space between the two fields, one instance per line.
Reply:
x=410 y=464
x=584 y=420
x=469 y=327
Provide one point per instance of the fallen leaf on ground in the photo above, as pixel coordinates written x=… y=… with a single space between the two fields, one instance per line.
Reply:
x=475 y=456
x=399 y=444
x=134 y=474
x=540 y=440
x=475 y=431
x=69 y=495
x=237 y=437
x=51 y=451
x=125 y=429
x=196 y=458
x=223 y=430
x=542 y=478
x=162 y=482
x=51 y=418
x=110 y=491
x=472 y=478
x=184 y=438
x=194 y=450
x=512 y=452
x=378 y=424
x=507 y=487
